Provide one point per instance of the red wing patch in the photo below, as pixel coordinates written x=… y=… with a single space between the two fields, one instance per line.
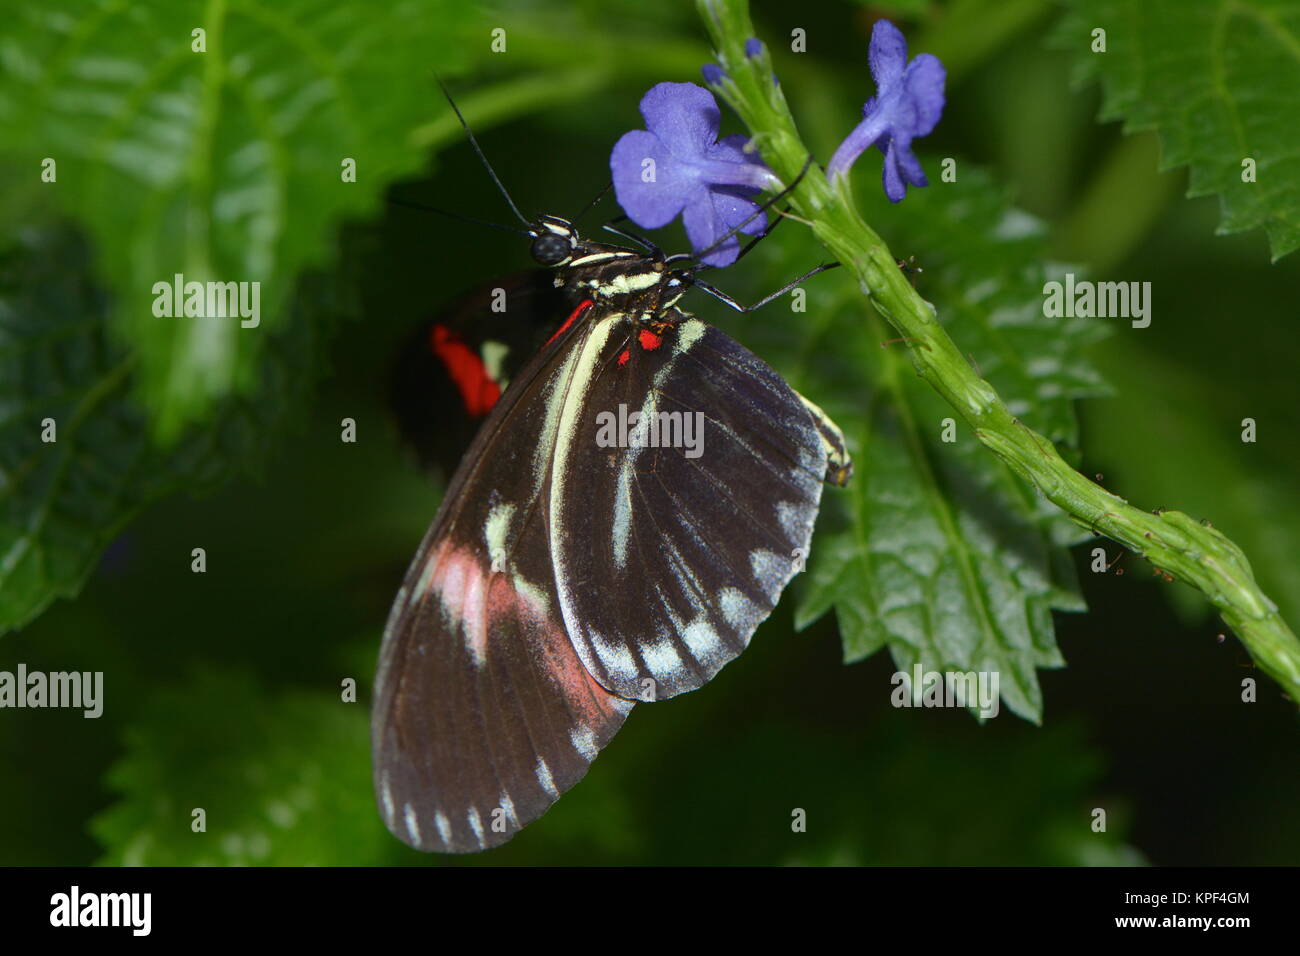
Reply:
x=583 y=306
x=478 y=391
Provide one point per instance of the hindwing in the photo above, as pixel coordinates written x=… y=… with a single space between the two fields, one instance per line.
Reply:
x=483 y=712
x=667 y=557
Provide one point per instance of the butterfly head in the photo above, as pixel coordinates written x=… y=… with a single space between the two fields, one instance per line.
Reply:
x=554 y=240
x=628 y=280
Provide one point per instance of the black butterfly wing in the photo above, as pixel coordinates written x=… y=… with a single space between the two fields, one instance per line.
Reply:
x=667 y=558
x=483 y=713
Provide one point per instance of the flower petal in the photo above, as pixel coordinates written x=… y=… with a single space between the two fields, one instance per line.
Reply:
x=908 y=165
x=887 y=54
x=893 y=182
x=733 y=206
x=731 y=149
x=657 y=202
x=704 y=227
x=923 y=81
x=684 y=116
x=730 y=164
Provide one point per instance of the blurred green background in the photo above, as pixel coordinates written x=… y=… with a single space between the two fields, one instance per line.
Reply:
x=222 y=689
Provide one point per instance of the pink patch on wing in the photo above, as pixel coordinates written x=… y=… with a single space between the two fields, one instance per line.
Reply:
x=459 y=579
x=587 y=700
x=474 y=597
x=650 y=341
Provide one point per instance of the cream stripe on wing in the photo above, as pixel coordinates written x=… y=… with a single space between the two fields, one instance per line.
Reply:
x=574 y=400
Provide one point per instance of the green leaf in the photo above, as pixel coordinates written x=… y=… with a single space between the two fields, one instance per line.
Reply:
x=1220 y=81
x=282 y=781
x=936 y=550
x=224 y=164
x=62 y=377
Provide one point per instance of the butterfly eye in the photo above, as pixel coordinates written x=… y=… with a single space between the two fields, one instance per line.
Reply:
x=550 y=249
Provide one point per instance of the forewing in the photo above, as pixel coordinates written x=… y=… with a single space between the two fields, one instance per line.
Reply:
x=484 y=713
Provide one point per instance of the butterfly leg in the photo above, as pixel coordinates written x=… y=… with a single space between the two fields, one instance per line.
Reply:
x=732 y=303
x=734 y=230
x=644 y=243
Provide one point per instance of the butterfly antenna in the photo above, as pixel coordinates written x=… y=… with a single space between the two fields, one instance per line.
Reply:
x=478 y=149
x=455 y=215
x=599 y=196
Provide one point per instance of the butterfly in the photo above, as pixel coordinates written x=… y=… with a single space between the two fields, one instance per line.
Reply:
x=636 y=497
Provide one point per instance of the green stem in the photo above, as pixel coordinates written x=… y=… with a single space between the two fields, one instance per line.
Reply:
x=1183 y=547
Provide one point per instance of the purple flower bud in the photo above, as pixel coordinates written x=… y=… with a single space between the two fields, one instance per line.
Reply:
x=677 y=166
x=908 y=103
x=713 y=74
x=753 y=47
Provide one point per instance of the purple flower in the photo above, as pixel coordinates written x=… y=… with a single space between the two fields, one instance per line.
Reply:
x=677 y=166
x=908 y=103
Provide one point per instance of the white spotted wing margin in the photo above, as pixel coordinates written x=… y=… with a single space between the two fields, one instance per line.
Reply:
x=666 y=559
x=564 y=579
